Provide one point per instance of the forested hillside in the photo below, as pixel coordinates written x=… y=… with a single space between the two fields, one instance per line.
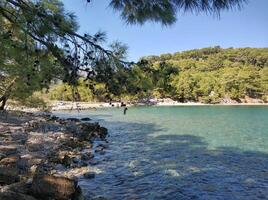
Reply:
x=204 y=75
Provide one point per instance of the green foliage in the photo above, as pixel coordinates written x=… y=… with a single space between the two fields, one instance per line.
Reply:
x=205 y=75
x=86 y=91
x=209 y=74
x=139 y=11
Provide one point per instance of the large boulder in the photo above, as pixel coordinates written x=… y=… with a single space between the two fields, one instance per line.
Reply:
x=47 y=187
x=88 y=130
x=92 y=130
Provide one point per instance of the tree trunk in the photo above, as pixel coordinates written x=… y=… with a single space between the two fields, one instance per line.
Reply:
x=6 y=94
x=3 y=100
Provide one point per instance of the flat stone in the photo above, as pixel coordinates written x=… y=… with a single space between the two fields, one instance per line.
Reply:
x=8 y=150
x=9 y=161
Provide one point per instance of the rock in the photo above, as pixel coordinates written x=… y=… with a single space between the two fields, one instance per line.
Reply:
x=87 y=156
x=8 y=150
x=15 y=196
x=69 y=144
x=9 y=161
x=89 y=175
x=76 y=160
x=21 y=187
x=52 y=187
x=9 y=175
x=78 y=195
x=104 y=146
x=22 y=164
x=86 y=144
x=53 y=118
x=99 y=149
x=2 y=156
x=84 y=164
x=66 y=161
x=85 y=119
x=33 y=169
x=29 y=181
x=87 y=131
x=99 y=198
x=93 y=162
x=34 y=161
x=73 y=119
x=34 y=147
x=59 y=167
x=103 y=132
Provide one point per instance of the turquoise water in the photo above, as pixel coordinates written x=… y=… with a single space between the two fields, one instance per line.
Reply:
x=206 y=152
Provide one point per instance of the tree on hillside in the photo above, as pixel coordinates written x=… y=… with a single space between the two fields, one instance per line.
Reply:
x=45 y=26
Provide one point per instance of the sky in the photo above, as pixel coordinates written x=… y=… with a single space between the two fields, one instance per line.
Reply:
x=239 y=28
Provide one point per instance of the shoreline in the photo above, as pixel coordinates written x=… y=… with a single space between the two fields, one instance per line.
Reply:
x=69 y=105
x=43 y=155
x=65 y=105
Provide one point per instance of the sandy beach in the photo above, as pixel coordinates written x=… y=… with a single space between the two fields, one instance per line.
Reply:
x=67 y=105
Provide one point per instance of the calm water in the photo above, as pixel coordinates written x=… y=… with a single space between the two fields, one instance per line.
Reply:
x=213 y=152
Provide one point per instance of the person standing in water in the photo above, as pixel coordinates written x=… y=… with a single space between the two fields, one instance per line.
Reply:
x=125 y=110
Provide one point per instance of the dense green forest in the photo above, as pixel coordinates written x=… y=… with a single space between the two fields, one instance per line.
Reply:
x=203 y=75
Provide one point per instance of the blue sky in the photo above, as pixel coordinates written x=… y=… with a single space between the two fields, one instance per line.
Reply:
x=245 y=28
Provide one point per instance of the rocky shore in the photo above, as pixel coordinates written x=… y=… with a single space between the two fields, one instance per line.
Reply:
x=43 y=157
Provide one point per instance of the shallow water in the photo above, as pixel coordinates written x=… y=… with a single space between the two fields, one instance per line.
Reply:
x=206 y=152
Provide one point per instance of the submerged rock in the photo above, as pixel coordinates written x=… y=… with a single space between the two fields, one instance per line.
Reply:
x=89 y=175
x=73 y=119
x=87 y=156
x=103 y=132
x=85 y=119
x=51 y=187
x=53 y=118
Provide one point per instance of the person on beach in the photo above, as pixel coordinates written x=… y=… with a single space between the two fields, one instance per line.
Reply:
x=125 y=110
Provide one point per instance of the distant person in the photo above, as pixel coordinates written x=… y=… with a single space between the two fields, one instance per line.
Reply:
x=125 y=110
x=123 y=104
